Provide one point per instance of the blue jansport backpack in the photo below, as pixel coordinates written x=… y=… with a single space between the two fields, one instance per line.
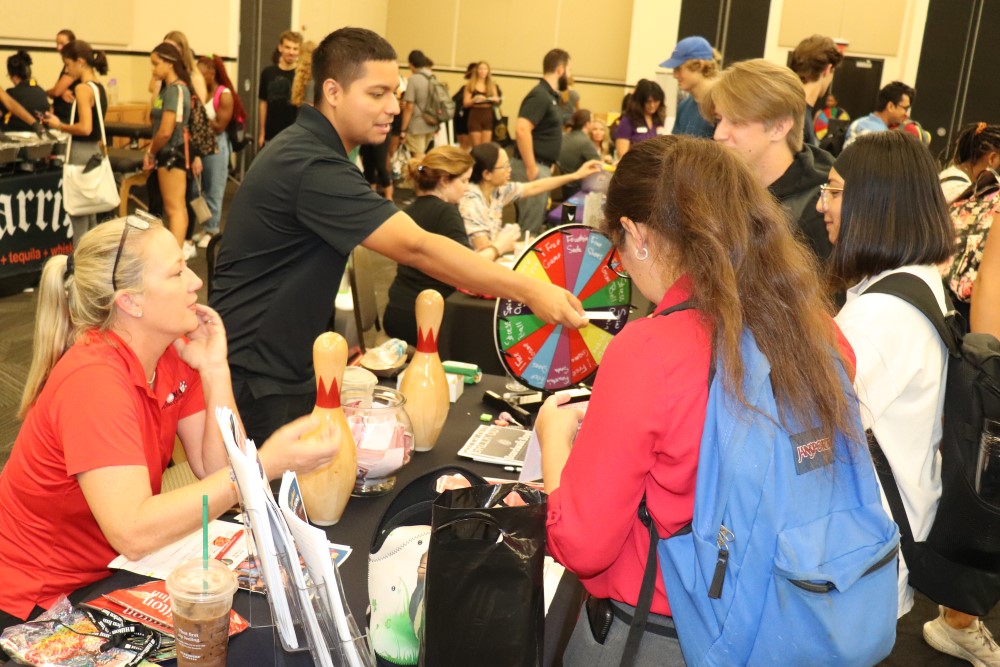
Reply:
x=790 y=558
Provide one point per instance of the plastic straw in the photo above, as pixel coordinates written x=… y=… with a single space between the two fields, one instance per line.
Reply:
x=204 y=532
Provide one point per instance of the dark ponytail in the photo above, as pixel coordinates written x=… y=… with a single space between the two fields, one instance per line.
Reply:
x=79 y=49
x=485 y=157
x=19 y=65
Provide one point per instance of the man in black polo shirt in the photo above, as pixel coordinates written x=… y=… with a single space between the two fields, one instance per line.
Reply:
x=539 y=136
x=302 y=208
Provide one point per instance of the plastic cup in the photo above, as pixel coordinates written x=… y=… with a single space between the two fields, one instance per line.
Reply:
x=357 y=388
x=200 y=600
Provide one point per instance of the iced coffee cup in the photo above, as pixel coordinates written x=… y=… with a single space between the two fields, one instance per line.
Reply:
x=201 y=595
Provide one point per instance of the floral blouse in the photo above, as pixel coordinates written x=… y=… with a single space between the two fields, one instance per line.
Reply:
x=973 y=218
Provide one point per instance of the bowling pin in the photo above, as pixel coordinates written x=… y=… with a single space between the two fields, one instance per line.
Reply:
x=326 y=490
x=424 y=385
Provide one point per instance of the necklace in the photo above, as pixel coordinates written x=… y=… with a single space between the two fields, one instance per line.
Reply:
x=151 y=380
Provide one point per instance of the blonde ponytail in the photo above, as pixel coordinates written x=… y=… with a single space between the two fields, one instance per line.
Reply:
x=53 y=329
x=82 y=299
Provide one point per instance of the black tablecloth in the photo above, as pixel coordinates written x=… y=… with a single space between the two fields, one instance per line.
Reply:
x=256 y=645
x=467 y=332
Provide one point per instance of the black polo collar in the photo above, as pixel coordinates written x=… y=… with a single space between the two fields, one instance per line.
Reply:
x=313 y=120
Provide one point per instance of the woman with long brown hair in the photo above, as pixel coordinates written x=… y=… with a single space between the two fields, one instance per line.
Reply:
x=690 y=223
x=168 y=153
x=480 y=96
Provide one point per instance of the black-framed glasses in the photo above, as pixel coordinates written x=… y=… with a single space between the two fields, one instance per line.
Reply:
x=615 y=264
x=824 y=197
x=140 y=221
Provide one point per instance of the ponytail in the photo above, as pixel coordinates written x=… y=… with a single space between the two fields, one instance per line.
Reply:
x=79 y=49
x=53 y=329
x=81 y=298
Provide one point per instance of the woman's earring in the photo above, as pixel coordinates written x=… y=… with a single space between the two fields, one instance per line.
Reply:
x=644 y=254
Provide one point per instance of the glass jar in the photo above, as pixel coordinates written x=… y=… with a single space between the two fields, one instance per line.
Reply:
x=384 y=437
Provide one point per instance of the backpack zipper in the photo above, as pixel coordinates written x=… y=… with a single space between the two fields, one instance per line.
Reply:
x=724 y=538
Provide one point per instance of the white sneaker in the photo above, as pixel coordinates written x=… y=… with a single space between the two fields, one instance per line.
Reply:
x=973 y=644
x=205 y=238
x=190 y=251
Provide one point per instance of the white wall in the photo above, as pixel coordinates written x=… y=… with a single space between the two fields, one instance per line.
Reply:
x=901 y=66
x=129 y=25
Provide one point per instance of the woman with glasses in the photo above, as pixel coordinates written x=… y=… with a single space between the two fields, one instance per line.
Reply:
x=885 y=214
x=482 y=205
x=691 y=224
x=124 y=361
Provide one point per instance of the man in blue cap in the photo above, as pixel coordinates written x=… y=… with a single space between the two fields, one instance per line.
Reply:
x=695 y=64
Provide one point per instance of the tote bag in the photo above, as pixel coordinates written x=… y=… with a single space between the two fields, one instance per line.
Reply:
x=93 y=191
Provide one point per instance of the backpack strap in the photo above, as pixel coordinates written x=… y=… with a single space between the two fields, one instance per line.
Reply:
x=645 y=601
x=915 y=292
x=683 y=305
x=891 y=491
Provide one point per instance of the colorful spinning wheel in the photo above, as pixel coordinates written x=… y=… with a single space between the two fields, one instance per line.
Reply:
x=823 y=117
x=549 y=356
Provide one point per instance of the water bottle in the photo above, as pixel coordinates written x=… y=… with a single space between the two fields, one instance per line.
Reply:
x=387 y=355
x=112 y=92
x=988 y=468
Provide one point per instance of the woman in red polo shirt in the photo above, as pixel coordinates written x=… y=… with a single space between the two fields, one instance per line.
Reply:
x=125 y=359
x=690 y=223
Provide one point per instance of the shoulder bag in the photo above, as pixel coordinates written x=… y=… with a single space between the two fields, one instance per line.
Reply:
x=89 y=188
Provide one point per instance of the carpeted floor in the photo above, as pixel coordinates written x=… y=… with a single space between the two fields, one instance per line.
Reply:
x=16 y=323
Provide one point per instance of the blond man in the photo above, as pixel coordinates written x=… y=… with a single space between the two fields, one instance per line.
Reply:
x=758 y=109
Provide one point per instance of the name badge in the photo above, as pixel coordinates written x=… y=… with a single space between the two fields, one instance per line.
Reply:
x=641 y=130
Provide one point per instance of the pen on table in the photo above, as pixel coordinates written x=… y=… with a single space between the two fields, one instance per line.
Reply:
x=512 y=468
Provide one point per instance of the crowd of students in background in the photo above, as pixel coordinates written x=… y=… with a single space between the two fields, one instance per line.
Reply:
x=879 y=207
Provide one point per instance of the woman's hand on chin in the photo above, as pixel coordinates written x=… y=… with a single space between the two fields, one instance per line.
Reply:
x=205 y=347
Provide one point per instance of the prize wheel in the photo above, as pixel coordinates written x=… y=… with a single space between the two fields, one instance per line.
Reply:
x=823 y=117
x=551 y=357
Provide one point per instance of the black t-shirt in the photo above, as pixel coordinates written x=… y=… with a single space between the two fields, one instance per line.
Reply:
x=60 y=107
x=276 y=90
x=541 y=107
x=30 y=96
x=438 y=217
x=95 y=125
x=301 y=209
x=808 y=128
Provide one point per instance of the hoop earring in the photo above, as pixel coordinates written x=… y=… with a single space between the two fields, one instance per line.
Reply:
x=645 y=254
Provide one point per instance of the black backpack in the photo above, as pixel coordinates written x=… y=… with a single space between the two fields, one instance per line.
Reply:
x=958 y=565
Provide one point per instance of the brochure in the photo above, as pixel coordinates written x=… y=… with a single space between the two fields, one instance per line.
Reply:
x=503 y=445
